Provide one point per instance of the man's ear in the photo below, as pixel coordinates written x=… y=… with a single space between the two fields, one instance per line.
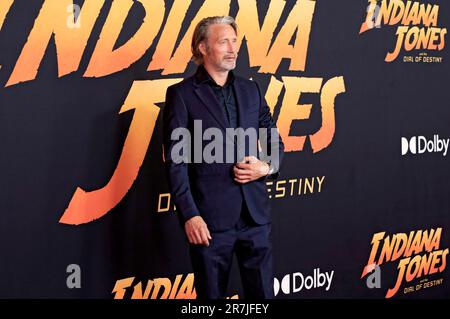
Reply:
x=202 y=47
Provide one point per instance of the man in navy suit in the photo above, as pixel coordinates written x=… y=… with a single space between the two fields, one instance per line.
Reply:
x=223 y=204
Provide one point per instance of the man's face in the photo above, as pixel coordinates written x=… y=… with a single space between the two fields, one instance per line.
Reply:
x=221 y=47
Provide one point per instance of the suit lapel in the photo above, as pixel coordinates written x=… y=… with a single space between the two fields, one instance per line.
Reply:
x=204 y=92
x=241 y=101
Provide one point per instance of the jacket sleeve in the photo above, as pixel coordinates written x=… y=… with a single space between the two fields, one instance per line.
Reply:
x=175 y=116
x=271 y=142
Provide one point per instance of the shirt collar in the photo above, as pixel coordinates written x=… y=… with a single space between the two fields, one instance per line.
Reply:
x=204 y=77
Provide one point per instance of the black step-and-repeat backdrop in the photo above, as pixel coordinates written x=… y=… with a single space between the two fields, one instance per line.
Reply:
x=360 y=93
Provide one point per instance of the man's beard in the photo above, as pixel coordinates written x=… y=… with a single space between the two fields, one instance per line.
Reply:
x=226 y=65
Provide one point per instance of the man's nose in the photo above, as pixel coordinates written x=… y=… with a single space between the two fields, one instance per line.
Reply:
x=231 y=47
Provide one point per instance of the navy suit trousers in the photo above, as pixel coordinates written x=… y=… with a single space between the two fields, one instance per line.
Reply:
x=252 y=245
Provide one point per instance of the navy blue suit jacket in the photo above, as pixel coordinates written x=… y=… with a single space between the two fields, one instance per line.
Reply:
x=209 y=189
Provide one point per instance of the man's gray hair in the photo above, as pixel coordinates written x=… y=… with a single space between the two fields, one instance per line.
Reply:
x=201 y=34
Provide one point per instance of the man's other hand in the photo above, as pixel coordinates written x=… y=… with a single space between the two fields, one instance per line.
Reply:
x=250 y=169
x=197 y=231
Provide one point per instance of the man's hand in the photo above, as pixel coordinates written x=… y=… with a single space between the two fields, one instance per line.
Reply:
x=197 y=231
x=250 y=169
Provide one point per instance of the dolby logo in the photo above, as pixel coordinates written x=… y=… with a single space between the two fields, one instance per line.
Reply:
x=420 y=145
x=292 y=283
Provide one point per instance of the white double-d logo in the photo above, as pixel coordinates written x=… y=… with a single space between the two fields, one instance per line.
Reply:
x=420 y=145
